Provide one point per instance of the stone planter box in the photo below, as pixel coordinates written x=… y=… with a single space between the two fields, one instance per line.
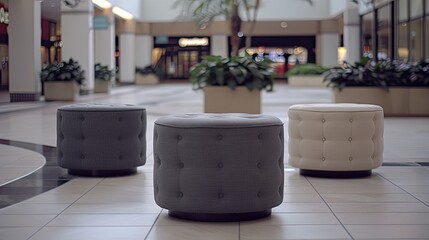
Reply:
x=102 y=86
x=146 y=79
x=61 y=91
x=398 y=101
x=306 y=81
x=226 y=100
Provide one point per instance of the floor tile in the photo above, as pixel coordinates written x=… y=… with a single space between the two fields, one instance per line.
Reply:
x=129 y=207
x=294 y=219
x=25 y=220
x=379 y=207
x=388 y=231
x=103 y=220
x=293 y=232
x=34 y=208
x=301 y=207
x=17 y=233
x=384 y=218
x=91 y=233
x=302 y=198
x=195 y=232
x=368 y=197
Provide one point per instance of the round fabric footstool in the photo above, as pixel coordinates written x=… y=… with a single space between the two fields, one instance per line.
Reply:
x=98 y=139
x=335 y=140
x=218 y=167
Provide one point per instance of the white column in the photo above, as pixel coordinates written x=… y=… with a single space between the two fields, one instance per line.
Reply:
x=24 y=50
x=328 y=45
x=144 y=46
x=219 y=45
x=77 y=35
x=104 y=42
x=352 y=34
x=127 y=59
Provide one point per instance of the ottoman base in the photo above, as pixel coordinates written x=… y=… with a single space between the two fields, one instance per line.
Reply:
x=102 y=173
x=220 y=217
x=335 y=174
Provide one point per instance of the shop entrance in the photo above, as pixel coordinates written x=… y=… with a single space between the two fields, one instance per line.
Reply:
x=174 y=59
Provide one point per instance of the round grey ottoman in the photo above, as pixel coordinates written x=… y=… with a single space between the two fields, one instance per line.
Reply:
x=101 y=139
x=218 y=167
x=335 y=140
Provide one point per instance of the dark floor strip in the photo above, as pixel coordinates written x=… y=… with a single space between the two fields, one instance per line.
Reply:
x=46 y=178
x=401 y=164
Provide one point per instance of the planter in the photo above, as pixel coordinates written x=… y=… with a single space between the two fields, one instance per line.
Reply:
x=146 y=79
x=306 y=81
x=225 y=100
x=398 y=101
x=101 y=86
x=61 y=91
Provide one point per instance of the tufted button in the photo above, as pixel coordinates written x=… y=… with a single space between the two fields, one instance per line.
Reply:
x=258 y=194
x=82 y=118
x=351 y=120
x=220 y=137
x=119 y=138
x=259 y=165
x=119 y=119
x=82 y=156
x=120 y=157
x=181 y=165
x=141 y=154
x=220 y=195
x=350 y=139
x=260 y=136
x=350 y=158
x=323 y=139
x=180 y=194
x=179 y=137
x=83 y=137
x=220 y=165
x=323 y=120
x=323 y=158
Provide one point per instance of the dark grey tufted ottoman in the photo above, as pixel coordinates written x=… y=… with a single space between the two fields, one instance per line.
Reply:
x=218 y=167
x=99 y=139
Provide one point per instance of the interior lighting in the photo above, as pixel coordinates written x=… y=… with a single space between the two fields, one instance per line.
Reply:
x=342 y=53
x=102 y=3
x=122 y=13
x=283 y=24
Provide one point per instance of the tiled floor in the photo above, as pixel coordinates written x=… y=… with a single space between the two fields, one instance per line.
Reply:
x=391 y=204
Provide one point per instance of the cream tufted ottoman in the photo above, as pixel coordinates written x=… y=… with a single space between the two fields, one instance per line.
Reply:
x=218 y=167
x=100 y=139
x=335 y=140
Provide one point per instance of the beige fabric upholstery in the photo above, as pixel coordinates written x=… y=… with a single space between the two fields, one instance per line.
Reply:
x=336 y=137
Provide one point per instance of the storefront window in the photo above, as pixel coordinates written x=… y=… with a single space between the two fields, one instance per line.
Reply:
x=403 y=10
x=367 y=30
x=403 y=52
x=416 y=40
x=427 y=37
x=427 y=6
x=384 y=33
x=416 y=8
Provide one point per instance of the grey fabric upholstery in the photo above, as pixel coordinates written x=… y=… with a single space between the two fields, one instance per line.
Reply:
x=218 y=163
x=101 y=136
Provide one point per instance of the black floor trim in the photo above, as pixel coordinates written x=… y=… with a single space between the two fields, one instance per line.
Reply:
x=46 y=178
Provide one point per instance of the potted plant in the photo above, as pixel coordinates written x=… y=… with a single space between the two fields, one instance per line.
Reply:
x=232 y=84
x=401 y=88
x=146 y=75
x=62 y=80
x=103 y=77
x=309 y=74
